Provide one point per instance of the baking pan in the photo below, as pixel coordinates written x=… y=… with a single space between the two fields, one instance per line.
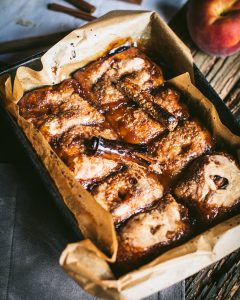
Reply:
x=34 y=62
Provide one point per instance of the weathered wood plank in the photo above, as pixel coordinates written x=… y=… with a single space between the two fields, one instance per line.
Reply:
x=233 y=101
x=225 y=74
x=205 y=63
x=220 y=281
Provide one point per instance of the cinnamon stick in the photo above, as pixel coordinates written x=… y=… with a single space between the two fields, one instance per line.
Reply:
x=70 y=11
x=83 y=5
x=112 y=149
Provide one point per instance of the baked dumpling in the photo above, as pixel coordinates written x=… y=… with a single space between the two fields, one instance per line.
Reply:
x=129 y=192
x=149 y=233
x=211 y=186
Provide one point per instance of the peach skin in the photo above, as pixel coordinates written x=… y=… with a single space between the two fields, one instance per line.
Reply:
x=214 y=25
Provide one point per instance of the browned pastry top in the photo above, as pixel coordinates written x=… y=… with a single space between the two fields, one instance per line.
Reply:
x=211 y=186
x=97 y=82
x=169 y=98
x=71 y=149
x=133 y=125
x=146 y=233
x=188 y=141
x=47 y=100
x=129 y=62
x=57 y=108
x=129 y=192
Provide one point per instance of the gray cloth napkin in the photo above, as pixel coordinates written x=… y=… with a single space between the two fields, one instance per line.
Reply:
x=33 y=235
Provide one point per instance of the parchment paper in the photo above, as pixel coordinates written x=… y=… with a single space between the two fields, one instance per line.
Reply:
x=87 y=261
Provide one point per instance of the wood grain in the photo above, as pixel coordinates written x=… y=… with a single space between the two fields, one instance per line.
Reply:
x=219 y=281
x=233 y=100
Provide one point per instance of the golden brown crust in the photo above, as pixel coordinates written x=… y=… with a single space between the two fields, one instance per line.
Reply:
x=131 y=123
x=146 y=235
x=74 y=137
x=171 y=99
x=47 y=100
x=86 y=168
x=129 y=192
x=211 y=187
x=187 y=142
x=101 y=73
x=57 y=108
x=66 y=119
x=145 y=100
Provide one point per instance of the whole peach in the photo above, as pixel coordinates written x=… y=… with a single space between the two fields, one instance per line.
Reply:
x=214 y=25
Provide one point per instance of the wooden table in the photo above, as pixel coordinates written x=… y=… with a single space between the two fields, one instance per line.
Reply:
x=222 y=279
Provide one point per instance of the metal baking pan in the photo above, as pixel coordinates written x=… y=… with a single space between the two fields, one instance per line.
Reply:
x=34 y=62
